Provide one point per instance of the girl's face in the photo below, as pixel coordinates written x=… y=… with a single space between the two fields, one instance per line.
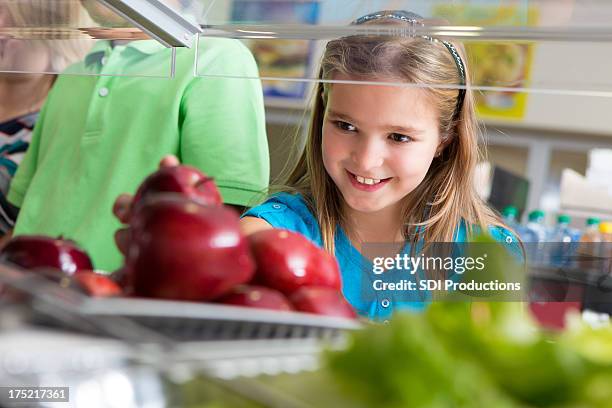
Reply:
x=378 y=142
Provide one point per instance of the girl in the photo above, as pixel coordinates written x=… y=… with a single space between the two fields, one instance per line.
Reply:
x=382 y=163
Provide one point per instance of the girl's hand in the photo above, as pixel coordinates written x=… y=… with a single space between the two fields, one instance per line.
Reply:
x=123 y=205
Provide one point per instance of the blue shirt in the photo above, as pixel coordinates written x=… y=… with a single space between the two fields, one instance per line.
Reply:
x=290 y=211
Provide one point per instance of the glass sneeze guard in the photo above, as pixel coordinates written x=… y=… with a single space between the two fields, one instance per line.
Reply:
x=76 y=37
x=507 y=43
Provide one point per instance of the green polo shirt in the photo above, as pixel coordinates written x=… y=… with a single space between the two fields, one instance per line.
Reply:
x=99 y=136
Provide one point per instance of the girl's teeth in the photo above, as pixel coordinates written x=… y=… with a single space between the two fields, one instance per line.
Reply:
x=367 y=181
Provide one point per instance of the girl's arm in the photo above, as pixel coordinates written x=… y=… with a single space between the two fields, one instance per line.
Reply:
x=250 y=225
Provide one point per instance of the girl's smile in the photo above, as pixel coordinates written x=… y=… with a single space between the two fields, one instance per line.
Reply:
x=366 y=183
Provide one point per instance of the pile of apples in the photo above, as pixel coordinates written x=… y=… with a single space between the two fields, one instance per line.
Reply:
x=59 y=260
x=184 y=244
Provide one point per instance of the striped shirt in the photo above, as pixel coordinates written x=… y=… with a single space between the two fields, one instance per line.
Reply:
x=15 y=135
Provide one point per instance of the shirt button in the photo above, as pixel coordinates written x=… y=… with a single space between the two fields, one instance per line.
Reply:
x=276 y=206
x=385 y=321
x=103 y=61
x=385 y=303
x=509 y=240
x=103 y=92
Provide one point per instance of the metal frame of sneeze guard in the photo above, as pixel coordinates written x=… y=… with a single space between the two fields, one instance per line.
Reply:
x=158 y=20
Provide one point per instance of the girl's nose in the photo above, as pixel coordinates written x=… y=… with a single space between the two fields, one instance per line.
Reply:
x=367 y=155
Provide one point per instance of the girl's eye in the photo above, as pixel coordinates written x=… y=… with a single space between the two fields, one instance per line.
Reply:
x=397 y=137
x=347 y=127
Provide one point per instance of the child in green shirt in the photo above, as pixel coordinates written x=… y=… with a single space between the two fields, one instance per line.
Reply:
x=99 y=135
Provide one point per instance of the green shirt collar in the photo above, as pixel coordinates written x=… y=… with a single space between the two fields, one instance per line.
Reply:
x=147 y=47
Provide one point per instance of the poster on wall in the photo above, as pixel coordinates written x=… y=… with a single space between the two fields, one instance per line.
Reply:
x=285 y=65
x=499 y=69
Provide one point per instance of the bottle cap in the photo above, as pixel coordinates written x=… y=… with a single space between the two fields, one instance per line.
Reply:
x=536 y=215
x=605 y=227
x=592 y=221
x=510 y=210
x=564 y=219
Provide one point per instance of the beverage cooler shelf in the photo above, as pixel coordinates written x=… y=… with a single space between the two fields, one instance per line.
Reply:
x=591 y=289
x=592 y=277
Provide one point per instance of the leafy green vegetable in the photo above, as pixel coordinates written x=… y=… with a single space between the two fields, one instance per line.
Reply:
x=460 y=354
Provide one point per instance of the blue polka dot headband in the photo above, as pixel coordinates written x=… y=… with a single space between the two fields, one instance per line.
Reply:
x=413 y=18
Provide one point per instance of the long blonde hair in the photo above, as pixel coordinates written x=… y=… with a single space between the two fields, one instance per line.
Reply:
x=447 y=196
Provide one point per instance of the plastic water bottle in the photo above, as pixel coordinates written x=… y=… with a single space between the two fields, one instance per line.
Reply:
x=536 y=224
x=538 y=234
x=510 y=214
x=590 y=242
x=561 y=240
x=591 y=231
x=605 y=228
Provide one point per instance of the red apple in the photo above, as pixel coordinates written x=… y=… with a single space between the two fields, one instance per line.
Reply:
x=256 y=296
x=120 y=277
x=287 y=261
x=34 y=251
x=180 y=249
x=96 y=284
x=323 y=301
x=182 y=179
